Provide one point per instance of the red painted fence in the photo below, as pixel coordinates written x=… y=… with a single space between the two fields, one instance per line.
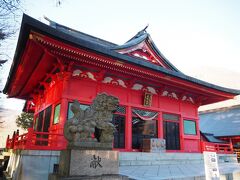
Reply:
x=33 y=140
x=217 y=147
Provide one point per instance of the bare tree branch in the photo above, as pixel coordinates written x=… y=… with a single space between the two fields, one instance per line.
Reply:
x=9 y=11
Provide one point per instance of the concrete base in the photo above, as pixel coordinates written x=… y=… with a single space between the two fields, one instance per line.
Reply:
x=88 y=163
x=34 y=164
x=31 y=164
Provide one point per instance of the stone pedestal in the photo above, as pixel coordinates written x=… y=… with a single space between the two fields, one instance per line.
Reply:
x=89 y=146
x=85 y=157
x=75 y=162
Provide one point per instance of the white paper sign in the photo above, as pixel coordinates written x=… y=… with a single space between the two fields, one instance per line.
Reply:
x=211 y=165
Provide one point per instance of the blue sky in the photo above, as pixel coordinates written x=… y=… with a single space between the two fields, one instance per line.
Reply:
x=201 y=38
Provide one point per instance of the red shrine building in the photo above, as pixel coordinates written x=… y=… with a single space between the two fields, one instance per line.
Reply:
x=54 y=65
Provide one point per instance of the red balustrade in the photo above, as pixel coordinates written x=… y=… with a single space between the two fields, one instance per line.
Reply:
x=217 y=147
x=33 y=140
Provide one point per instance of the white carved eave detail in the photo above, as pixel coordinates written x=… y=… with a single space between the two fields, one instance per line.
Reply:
x=170 y=94
x=152 y=90
x=188 y=98
x=110 y=80
x=143 y=88
x=83 y=74
x=137 y=87
x=107 y=80
x=91 y=76
x=191 y=99
x=174 y=95
x=52 y=83
x=76 y=72
x=165 y=93
x=121 y=83
x=184 y=98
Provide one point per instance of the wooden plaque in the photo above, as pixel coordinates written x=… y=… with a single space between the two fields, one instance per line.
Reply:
x=147 y=99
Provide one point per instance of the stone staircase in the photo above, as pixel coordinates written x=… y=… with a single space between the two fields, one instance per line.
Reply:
x=145 y=159
x=174 y=166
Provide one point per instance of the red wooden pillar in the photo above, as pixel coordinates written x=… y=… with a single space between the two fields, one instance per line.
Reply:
x=198 y=133
x=30 y=140
x=61 y=142
x=231 y=144
x=63 y=112
x=64 y=101
x=160 y=126
x=181 y=129
x=128 y=130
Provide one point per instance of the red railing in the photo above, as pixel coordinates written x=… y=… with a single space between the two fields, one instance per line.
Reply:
x=33 y=140
x=217 y=147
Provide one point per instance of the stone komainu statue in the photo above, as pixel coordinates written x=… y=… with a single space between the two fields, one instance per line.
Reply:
x=94 y=120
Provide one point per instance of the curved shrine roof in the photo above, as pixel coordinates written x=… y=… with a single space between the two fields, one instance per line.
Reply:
x=142 y=37
x=91 y=43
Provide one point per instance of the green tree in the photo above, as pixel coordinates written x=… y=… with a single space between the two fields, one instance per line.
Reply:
x=25 y=120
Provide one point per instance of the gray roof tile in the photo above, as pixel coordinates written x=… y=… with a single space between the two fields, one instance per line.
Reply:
x=222 y=122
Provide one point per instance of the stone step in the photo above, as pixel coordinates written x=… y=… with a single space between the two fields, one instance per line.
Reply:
x=147 y=159
x=158 y=156
x=151 y=163
x=228 y=171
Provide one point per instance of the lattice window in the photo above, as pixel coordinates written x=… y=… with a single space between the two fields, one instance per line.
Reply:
x=121 y=110
x=144 y=113
x=172 y=117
